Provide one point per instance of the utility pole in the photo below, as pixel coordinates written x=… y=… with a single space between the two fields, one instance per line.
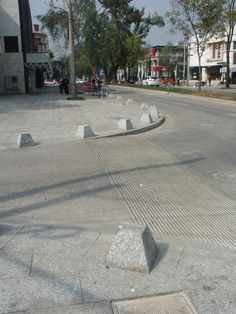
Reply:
x=184 y=67
x=188 y=61
x=72 y=51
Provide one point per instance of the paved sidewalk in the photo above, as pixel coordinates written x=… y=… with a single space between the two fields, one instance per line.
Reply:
x=49 y=117
x=63 y=202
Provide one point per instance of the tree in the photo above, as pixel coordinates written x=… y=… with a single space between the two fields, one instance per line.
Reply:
x=66 y=22
x=170 y=57
x=112 y=31
x=198 y=22
x=227 y=23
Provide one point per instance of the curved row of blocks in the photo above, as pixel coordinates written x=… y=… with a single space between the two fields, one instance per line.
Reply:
x=150 y=115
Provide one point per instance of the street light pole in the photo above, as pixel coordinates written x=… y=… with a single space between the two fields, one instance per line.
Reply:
x=188 y=61
x=184 y=69
x=72 y=52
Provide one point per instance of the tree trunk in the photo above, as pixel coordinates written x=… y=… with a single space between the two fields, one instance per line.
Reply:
x=200 y=74
x=72 y=52
x=227 y=67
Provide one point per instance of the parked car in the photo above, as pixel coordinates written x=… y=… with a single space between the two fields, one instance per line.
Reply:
x=51 y=82
x=168 y=81
x=80 y=81
x=151 y=81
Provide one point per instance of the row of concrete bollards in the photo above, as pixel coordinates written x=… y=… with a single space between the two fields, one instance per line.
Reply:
x=149 y=116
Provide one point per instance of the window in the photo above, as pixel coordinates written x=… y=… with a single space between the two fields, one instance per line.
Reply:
x=1 y=45
x=11 y=44
x=234 y=45
x=234 y=58
x=217 y=51
x=11 y=82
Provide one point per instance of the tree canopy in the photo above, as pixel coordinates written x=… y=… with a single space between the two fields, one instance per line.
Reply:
x=198 y=22
x=110 y=33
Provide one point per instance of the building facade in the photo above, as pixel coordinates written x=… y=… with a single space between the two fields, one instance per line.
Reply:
x=21 y=66
x=162 y=62
x=213 y=63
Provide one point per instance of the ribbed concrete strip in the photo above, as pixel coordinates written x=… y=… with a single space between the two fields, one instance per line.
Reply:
x=167 y=195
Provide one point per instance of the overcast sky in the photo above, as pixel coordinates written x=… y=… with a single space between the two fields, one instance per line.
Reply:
x=157 y=36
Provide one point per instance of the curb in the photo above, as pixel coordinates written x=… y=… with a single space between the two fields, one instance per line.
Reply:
x=149 y=127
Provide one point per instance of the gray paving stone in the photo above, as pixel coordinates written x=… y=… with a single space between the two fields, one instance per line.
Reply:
x=26 y=293
x=86 y=308
x=14 y=264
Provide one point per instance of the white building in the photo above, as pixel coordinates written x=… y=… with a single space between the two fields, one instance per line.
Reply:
x=213 y=61
x=21 y=65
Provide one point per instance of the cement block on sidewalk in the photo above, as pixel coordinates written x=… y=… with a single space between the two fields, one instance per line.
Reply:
x=24 y=139
x=119 y=98
x=134 y=248
x=146 y=118
x=145 y=106
x=129 y=101
x=84 y=131
x=153 y=112
x=125 y=124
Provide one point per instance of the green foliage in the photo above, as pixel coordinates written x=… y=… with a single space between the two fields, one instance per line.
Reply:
x=197 y=20
x=109 y=37
x=226 y=25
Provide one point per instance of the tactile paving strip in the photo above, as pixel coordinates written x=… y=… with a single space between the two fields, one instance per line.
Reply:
x=167 y=195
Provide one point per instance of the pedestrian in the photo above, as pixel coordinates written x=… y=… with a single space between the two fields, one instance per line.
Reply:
x=209 y=81
x=93 y=85
x=61 y=86
x=65 y=84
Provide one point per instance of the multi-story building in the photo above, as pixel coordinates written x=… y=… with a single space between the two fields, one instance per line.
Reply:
x=23 y=53
x=213 y=62
x=163 y=61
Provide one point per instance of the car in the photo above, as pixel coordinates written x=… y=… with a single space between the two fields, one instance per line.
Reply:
x=51 y=82
x=80 y=81
x=151 y=81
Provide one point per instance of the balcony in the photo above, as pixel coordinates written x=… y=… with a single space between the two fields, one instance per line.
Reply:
x=37 y=57
x=38 y=60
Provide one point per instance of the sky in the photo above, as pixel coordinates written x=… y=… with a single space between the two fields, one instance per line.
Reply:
x=157 y=36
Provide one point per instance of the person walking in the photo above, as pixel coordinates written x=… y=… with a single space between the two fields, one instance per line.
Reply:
x=65 y=84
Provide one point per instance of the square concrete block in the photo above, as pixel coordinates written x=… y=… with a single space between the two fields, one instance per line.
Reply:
x=145 y=106
x=129 y=101
x=125 y=124
x=24 y=139
x=84 y=131
x=146 y=118
x=153 y=112
x=134 y=248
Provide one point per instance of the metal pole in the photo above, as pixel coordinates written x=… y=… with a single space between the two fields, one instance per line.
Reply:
x=188 y=62
x=72 y=53
x=184 y=69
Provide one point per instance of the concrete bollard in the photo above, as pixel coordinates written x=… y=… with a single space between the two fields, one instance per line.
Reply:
x=24 y=139
x=125 y=124
x=145 y=106
x=84 y=131
x=119 y=98
x=129 y=101
x=134 y=248
x=153 y=112
x=146 y=118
